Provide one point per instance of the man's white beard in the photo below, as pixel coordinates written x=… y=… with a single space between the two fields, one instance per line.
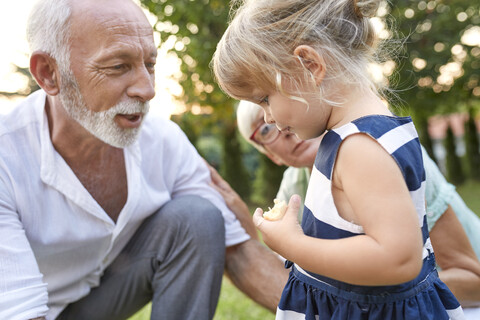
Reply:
x=100 y=124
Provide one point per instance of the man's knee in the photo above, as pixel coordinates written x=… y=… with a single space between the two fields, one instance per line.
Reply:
x=197 y=216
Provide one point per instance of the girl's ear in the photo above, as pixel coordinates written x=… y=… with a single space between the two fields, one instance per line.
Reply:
x=44 y=70
x=312 y=61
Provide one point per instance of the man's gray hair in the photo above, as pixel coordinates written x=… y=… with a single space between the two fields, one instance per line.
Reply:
x=48 y=30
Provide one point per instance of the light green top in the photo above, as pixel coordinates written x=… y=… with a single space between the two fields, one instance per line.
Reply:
x=440 y=194
x=295 y=181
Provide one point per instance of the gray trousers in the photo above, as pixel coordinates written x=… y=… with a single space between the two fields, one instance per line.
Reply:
x=175 y=259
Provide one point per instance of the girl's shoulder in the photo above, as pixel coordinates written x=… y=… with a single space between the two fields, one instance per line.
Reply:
x=374 y=125
x=396 y=135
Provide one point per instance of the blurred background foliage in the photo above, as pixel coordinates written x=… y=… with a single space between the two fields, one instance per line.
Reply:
x=439 y=73
x=193 y=28
x=435 y=73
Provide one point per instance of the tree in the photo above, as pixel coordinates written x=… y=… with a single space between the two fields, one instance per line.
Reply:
x=442 y=63
x=440 y=73
x=454 y=164
x=30 y=86
x=233 y=162
x=472 y=146
x=191 y=29
x=267 y=181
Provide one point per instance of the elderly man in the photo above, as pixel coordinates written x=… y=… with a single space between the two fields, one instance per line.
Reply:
x=103 y=207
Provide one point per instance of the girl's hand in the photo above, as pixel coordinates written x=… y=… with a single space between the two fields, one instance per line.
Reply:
x=280 y=235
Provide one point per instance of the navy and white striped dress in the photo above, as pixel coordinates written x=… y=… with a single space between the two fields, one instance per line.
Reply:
x=313 y=296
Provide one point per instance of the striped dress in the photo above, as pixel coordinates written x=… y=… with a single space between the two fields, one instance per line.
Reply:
x=312 y=296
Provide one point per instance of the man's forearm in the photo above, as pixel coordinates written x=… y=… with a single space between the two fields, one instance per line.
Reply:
x=257 y=272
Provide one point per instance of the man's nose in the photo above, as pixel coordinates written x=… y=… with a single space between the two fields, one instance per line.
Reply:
x=142 y=86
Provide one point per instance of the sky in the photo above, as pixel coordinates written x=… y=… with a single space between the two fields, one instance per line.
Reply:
x=14 y=50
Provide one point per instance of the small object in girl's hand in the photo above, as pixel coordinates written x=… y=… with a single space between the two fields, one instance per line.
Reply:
x=277 y=212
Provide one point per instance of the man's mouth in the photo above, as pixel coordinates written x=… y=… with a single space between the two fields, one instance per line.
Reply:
x=132 y=117
x=129 y=121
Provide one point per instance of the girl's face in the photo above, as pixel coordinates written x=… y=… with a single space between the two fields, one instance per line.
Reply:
x=307 y=119
x=288 y=149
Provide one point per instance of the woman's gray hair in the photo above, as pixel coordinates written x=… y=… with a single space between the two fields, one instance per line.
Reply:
x=48 y=30
x=247 y=116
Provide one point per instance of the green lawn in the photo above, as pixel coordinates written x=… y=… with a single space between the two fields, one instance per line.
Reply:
x=234 y=305
x=470 y=192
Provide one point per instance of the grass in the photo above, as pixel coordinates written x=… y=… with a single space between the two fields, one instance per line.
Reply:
x=234 y=305
x=470 y=192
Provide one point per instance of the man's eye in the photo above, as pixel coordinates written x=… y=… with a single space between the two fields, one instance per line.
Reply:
x=150 y=67
x=119 y=67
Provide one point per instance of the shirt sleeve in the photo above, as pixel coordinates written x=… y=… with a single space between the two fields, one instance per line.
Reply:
x=23 y=295
x=193 y=178
x=438 y=192
x=294 y=181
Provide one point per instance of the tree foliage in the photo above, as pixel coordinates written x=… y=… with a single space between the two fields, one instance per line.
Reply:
x=232 y=161
x=472 y=146
x=453 y=162
x=29 y=87
x=267 y=181
x=191 y=30
x=440 y=72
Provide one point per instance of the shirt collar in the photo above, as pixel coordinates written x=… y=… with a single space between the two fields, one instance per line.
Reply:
x=55 y=172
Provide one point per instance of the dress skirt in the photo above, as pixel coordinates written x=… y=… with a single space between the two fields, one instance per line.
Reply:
x=306 y=297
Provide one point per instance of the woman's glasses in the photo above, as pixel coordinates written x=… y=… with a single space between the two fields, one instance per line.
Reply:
x=265 y=134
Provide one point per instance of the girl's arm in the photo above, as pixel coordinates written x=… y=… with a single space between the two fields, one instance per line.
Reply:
x=374 y=194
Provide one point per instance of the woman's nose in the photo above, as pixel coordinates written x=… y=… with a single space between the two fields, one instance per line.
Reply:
x=268 y=118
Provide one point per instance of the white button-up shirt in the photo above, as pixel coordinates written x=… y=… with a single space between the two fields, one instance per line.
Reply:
x=55 y=239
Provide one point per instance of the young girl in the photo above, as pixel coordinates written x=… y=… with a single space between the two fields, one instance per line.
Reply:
x=364 y=251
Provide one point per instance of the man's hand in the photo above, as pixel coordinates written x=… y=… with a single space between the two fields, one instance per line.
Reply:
x=256 y=271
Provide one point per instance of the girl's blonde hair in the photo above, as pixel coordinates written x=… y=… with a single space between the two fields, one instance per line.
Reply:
x=257 y=49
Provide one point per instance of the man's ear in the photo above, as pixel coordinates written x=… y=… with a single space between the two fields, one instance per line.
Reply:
x=312 y=61
x=44 y=69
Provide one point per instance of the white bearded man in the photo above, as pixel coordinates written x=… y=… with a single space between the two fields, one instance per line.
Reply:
x=104 y=207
